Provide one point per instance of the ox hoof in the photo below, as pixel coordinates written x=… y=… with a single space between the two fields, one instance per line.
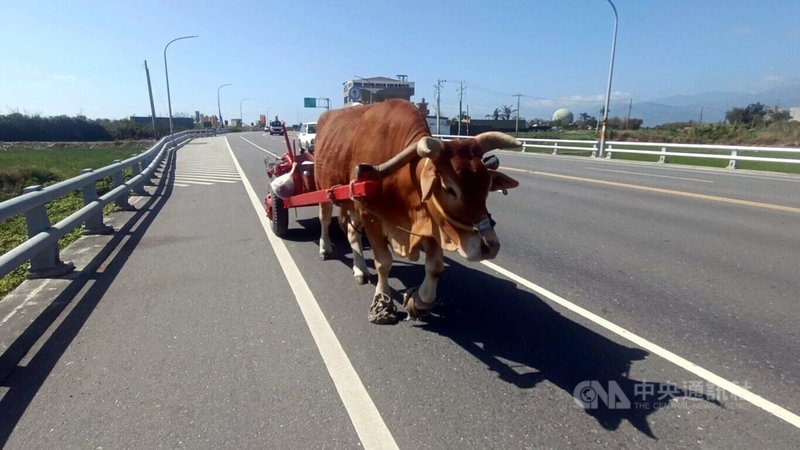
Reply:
x=415 y=307
x=360 y=279
x=324 y=256
x=382 y=310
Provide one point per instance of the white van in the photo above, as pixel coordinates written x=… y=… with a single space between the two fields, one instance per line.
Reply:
x=308 y=135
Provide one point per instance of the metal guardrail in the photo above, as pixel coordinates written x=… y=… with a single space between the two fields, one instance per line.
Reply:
x=42 y=244
x=732 y=153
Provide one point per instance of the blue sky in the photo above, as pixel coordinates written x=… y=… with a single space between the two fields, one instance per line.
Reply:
x=87 y=56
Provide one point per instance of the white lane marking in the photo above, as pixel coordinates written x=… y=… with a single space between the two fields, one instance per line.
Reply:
x=260 y=148
x=180 y=185
x=196 y=182
x=207 y=178
x=210 y=172
x=744 y=394
x=366 y=418
x=648 y=174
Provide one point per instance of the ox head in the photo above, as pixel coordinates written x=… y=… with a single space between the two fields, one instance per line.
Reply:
x=454 y=181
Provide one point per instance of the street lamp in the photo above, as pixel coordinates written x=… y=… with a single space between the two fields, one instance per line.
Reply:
x=241 y=117
x=166 y=72
x=219 y=109
x=610 y=75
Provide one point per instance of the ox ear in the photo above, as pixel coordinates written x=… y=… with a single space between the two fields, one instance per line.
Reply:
x=501 y=181
x=491 y=140
x=428 y=179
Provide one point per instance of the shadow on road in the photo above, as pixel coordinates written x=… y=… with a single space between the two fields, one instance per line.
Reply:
x=25 y=381
x=524 y=341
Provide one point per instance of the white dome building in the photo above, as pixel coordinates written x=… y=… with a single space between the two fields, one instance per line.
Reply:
x=563 y=116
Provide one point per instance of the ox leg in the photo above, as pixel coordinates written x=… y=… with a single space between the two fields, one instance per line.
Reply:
x=382 y=310
x=419 y=302
x=360 y=270
x=325 y=214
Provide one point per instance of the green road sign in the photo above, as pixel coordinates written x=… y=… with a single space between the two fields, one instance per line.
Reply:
x=309 y=102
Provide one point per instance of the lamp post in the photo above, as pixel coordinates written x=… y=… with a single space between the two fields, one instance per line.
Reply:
x=166 y=72
x=219 y=109
x=610 y=75
x=241 y=117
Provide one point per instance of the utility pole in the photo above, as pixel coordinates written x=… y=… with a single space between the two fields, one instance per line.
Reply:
x=610 y=77
x=516 y=126
x=438 y=103
x=152 y=107
x=628 y=117
x=460 y=100
x=701 y=115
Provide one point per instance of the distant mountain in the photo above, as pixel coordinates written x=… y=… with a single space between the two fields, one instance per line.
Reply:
x=681 y=108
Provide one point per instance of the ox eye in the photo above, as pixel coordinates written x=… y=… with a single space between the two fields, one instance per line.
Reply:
x=450 y=191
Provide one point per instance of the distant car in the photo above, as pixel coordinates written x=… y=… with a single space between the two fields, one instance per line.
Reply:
x=308 y=135
x=276 y=127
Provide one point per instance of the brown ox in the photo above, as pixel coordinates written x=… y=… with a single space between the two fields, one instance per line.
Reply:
x=431 y=196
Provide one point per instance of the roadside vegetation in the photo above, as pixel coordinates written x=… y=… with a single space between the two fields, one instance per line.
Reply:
x=27 y=164
x=20 y=127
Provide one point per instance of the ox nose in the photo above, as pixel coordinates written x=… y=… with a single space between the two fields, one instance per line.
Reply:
x=490 y=245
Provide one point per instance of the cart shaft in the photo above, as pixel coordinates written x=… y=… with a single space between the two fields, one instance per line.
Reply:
x=344 y=192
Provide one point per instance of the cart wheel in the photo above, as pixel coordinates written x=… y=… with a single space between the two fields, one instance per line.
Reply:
x=280 y=217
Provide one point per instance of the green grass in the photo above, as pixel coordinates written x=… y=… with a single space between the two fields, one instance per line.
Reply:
x=64 y=161
x=24 y=166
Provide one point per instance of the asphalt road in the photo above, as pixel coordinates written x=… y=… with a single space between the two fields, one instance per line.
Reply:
x=192 y=334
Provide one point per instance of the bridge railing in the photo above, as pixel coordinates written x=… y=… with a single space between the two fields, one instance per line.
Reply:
x=41 y=247
x=731 y=153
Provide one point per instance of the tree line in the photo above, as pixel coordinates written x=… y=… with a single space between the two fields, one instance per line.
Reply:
x=21 y=127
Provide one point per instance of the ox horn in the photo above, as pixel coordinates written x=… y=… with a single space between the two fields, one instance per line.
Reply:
x=426 y=147
x=491 y=140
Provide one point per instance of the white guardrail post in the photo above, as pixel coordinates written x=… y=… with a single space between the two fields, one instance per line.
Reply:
x=555 y=148
x=94 y=223
x=46 y=263
x=732 y=162
x=136 y=169
x=609 y=150
x=663 y=157
x=121 y=201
